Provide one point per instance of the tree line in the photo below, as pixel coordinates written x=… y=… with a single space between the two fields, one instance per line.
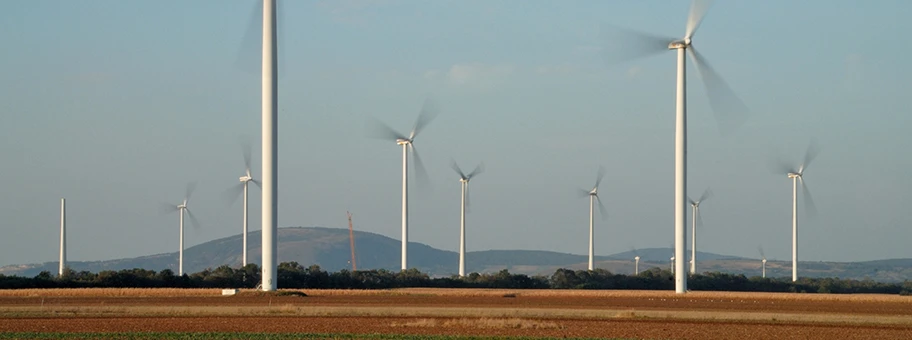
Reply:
x=294 y=275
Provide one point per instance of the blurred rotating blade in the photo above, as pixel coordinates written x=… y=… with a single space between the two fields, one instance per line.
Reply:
x=760 y=249
x=477 y=171
x=602 y=211
x=246 y=149
x=249 y=53
x=193 y=220
x=620 y=45
x=809 y=207
x=729 y=111
x=699 y=219
x=809 y=156
x=231 y=194
x=428 y=112
x=582 y=192
x=467 y=196
x=457 y=169
x=698 y=10
x=190 y=188
x=706 y=195
x=420 y=172
x=165 y=208
x=599 y=176
x=377 y=129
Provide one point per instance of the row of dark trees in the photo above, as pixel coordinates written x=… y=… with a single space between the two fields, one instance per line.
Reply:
x=294 y=275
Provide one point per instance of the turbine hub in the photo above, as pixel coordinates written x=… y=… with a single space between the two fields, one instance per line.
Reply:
x=403 y=141
x=793 y=174
x=679 y=44
x=464 y=180
x=764 y=260
x=245 y=179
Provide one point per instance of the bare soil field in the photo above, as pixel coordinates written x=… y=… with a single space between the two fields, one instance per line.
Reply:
x=479 y=312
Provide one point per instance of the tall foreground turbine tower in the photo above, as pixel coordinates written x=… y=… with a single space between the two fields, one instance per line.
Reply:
x=270 y=143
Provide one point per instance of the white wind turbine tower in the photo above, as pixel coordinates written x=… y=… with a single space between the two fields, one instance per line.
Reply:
x=636 y=44
x=427 y=114
x=696 y=218
x=593 y=197
x=181 y=208
x=797 y=175
x=636 y=262
x=763 y=262
x=62 y=237
x=464 y=184
x=242 y=189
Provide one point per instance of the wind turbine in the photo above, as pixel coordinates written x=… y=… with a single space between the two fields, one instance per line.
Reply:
x=464 y=184
x=797 y=175
x=637 y=44
x=696 y=217
x=241 y=189
x=636 y=262
x=181 y=208
x=763 y=272
x=269 y=117
x=62 y=237
x=593 y=197
x=425 y=116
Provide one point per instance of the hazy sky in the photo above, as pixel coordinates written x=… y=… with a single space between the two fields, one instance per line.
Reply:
x=116 y=105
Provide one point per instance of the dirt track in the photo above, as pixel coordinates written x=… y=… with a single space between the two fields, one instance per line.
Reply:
x=697 y=316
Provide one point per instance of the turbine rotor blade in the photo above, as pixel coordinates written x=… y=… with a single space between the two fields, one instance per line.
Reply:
x=257 y=182
x=582 y=192
x=231 y=194
x=193 y=220
x=477 y=171
x=729 y=111
x=698 y=10
x=166 y=208
x=428 y=112
x=809 y=205
x=190 y=188
x=599 y=176
x=420 y=171
x=246 y=150
x=602 y=210
x=699 y=219
x=809 y=156
x=706 y=195
x=467 y=196
x=760 y=248
x=620 y=45
x=377 y=129
x=457 y=169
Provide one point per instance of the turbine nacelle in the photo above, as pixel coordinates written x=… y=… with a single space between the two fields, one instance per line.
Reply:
x=246 y=178
x=636 y=258
x=794 y=174
x=403 y=141
x=593 y=192
x=764 y=261
x=679 y=44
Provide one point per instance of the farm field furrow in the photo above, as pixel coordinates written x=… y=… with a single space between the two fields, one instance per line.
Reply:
x=544 y=313
x=635 y=329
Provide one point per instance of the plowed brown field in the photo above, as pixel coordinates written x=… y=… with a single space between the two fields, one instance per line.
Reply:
x=627 y=314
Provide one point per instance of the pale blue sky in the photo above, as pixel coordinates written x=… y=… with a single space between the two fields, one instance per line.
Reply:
x=116 y=105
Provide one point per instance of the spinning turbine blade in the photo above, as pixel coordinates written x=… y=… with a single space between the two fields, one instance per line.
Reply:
x=602 y=210
x=457 y=169
x=706 y=195
x=467 y=197
x=246 y=150
x=231 y=194
x=378 y=129
x=599 y=176
x=165 y=208
x=477 y=171
x=190 y=188
x=193 y=219
x=249 y=53
x=809 y=205
x=729 y=111
x=699 y=219
x=428 y=113
x=809 y=156
x=621 y=45
x=760 y=248
x=698 y=9
x=420 y=172
x=582 y=192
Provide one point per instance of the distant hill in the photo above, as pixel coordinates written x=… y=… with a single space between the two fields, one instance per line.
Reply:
x=329 y=248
